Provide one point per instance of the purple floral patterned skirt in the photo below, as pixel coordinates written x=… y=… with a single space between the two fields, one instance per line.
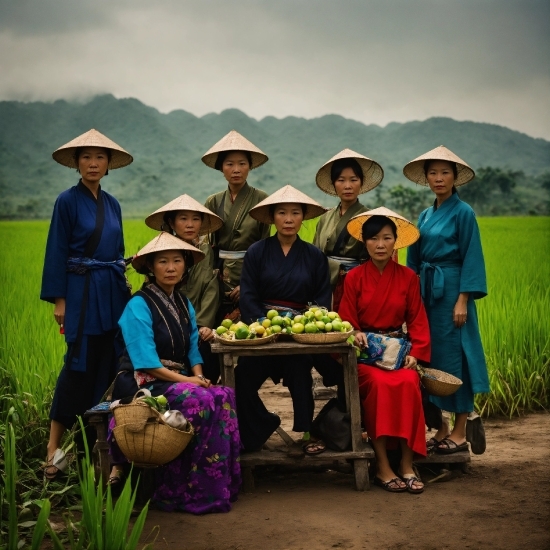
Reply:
x=206 y=477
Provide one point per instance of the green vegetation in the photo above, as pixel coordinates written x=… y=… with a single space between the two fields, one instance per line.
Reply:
x=514 y=321
x=167 y=149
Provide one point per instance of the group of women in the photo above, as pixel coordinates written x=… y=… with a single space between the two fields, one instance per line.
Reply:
x=218 y=261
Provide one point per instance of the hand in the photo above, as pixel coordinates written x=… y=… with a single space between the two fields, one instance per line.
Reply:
x=206 y=334
x=235 y=294
x=59 y=311
x=410 y=362
x=199 y=380
x=460 y=311
x=360 y=339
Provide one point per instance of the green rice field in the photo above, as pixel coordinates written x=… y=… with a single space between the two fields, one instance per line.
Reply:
x=514 y=318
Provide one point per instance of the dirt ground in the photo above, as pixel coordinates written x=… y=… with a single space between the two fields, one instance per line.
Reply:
x=503 y=503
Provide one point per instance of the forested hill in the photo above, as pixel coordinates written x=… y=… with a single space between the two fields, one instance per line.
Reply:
x=167 y=150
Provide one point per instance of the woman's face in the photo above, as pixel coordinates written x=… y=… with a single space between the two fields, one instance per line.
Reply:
x=187 y=225
x=380 y=247
x=347 y=186
x=93 y=163
x=235 y=168
x=288 y=218
x=168 y=268
x=441 y=178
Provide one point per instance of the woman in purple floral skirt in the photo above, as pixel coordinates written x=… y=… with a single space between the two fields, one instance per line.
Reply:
x=161 y=337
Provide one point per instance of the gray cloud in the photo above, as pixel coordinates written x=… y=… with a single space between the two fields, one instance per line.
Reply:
x=374 y=61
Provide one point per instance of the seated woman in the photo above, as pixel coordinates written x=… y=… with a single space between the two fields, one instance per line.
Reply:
x=379 y=296
x=187 y=219
x=161 y=338
x=280 y=271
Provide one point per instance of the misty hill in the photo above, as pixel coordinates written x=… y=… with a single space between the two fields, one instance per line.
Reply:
x=167 y=150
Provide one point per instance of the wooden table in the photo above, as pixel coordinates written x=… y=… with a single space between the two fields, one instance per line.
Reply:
x=361 y=452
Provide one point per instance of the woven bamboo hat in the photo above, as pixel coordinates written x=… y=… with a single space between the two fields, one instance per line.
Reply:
x=164 y=241
x=372 y=172
x=92 y=138
x=414 y=170
x=210 y=223
x=285 y=195
x=407 y=233
x=234 y=142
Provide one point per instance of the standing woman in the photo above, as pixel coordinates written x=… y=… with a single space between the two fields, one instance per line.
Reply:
x=84 y=277
x=187 y=219
x=234 y=156
x=346 y=175
x=449 y=259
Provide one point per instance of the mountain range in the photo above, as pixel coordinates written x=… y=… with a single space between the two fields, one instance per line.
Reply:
x=167 y=149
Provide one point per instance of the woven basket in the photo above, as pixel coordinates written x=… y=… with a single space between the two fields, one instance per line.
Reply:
x=151 y=443
x=322 y=337
x=438 y=382
x=136 y=411
x=252 y=342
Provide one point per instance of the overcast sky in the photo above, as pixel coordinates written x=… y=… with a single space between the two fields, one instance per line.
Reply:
x=376 y=61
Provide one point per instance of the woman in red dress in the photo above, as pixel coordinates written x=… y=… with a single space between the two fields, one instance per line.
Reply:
x=379 y=297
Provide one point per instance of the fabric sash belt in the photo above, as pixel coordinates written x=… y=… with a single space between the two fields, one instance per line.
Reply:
x=231 y=254
x=437 y=288
x=346 y=263
x=81 y=266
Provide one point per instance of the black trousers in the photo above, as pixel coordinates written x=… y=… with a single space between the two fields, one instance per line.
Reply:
x=332 y=373
x=76 y=392
x=256 y=424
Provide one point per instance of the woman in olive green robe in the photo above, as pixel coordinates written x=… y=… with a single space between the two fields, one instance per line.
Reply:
x=234 y=156
x=346 y=175
x=187 y=219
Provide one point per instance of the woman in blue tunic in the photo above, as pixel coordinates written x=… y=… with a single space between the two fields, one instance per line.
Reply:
x=449 y=259
x=84 y=277
x=281 y=271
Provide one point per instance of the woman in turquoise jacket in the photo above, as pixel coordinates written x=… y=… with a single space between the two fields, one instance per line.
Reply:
x=449 y=259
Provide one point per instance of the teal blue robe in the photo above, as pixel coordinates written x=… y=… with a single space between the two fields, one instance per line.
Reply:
x=449 y=259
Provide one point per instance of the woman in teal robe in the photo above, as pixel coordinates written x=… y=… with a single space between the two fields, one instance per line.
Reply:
x=449 y=259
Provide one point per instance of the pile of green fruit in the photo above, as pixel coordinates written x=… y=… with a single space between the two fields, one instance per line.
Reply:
x=229 y=330
x=314 y=320
x=159 y=403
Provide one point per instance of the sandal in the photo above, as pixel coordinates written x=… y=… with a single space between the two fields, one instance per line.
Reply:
x=432 y=443
x=54 y=465
x=314 y=447
x=116 y=481
x=409 y=481
x=392 y=486
x=475 y=434
x=450 y=447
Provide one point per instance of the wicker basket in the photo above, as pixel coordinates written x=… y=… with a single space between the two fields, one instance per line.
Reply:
x=151 y=443
x=251 y=342
x=136 y=411
x=438 y=382
x=322 y=337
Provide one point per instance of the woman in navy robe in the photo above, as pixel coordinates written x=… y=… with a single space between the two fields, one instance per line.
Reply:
x=449 y=259
x=84 y=277
x=280 y=271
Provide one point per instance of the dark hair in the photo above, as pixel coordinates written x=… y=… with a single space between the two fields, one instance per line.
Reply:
x=222 y=155
x=340 y=165
x=78 y=152
x=375 y=224
x=272 y=208
x=428 y=162
x=169 y=219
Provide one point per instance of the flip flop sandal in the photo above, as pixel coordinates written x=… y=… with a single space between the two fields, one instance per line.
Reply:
x=387 y=485
x=475 y=434
x=314 y=447
x=432 y=443
x=450 y=447
x=116 y=482
x=410 y=481
x=55 y=465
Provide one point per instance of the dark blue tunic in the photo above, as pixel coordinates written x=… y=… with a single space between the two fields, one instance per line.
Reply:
x=73 y=222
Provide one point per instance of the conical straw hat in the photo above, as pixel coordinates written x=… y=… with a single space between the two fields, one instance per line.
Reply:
x=407 y=233
x=210 y=223
x=92 y=138
x=234 y=142
x=372 y=172
x=414 y=170
x=287 y=194
x=164 y=241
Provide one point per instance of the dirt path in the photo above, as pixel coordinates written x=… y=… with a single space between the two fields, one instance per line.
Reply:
x=503 y=503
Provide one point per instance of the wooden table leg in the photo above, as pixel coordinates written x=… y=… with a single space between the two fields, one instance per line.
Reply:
x=228 y=370
x=100 y=450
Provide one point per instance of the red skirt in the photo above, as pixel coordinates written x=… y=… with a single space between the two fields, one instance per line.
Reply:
x=392 y=405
